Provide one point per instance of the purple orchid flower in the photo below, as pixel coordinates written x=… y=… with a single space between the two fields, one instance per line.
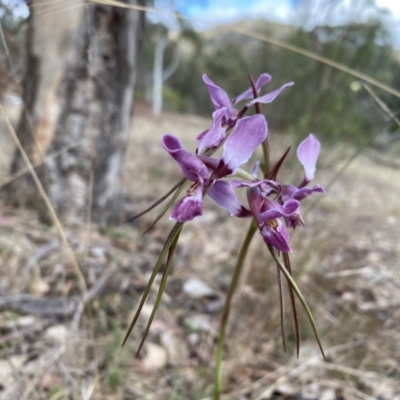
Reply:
x=225 y=114
x=266 y=211
x=269 y=212
x=250 y=132
x=307 y=153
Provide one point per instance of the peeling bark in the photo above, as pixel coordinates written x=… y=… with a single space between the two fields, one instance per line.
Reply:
x=78 y=94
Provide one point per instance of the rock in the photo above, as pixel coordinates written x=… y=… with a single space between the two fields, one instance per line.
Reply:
x=38 y=286
x=57 y=334
x=176 y=347
x=155 y=358
x=98 y=252
x=196 y=288
x=200 y=323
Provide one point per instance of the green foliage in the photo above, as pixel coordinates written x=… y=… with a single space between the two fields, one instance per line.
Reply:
x=173 y=100
x=324 y=100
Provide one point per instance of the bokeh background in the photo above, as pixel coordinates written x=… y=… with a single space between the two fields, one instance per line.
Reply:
x=87 y=89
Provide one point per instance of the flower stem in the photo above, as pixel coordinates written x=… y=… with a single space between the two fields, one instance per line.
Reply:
x=299 y=295
x=224 y=319
x=266 y=163
x=241 y=173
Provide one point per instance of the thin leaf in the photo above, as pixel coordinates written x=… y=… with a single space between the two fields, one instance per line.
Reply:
x=299 y=295
x=274 y=171
x=283 y=333
x=166 y=208
x=255 y=93
x=159 y=201
x=286 y=260
x=170 y=240
x=162 y=288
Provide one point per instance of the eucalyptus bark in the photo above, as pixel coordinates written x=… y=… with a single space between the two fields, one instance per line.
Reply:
x=78 y=97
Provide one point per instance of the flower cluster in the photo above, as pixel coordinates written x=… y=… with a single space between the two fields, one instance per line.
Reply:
x=272 y=204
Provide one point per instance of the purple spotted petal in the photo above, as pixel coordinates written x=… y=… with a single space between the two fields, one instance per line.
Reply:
x=275 y=234
x=272 y=209
x=189 y=207
x=250 y=132
x=191 y=167
x=223 y=194
x=218 y=96
x=269 y=97
x=262 y=80
x=307 y=153
x=215 y=134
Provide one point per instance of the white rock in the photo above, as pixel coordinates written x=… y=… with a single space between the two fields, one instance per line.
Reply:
x=57 y=334
x=196 y=288
x=156 y=357
x=175 y=346
x=200 y=322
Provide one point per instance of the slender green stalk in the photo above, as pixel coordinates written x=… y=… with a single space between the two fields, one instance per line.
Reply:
x=159 y=201
x=163 y=283
x=175 y=231
x=266 y=162
x=300 y=296
x=286 y=260
x=167 y=207
x=224 y=319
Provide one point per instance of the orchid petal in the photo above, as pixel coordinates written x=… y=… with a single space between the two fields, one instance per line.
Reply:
x=189 y=207
x=269 y=97
x=305 y=192
x=307 y=153
x=254 y=171
x=267 y=185
x=275 y=234
x=215 y=134
x=218 y=96
x=223 y=194
x=191 y=167
x=250 y=132
x=275 y=210
x=262 y=80
x=288 y=191
x=237 y=184
x=256 y=201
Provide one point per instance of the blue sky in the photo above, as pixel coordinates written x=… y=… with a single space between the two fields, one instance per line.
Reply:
x=296 y=12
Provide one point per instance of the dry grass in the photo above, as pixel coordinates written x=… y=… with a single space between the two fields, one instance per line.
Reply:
x=346 y=261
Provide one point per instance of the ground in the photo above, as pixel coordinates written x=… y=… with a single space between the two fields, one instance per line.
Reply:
x=56 y=344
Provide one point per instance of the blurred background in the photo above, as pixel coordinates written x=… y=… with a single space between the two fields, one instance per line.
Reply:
x=87 y=88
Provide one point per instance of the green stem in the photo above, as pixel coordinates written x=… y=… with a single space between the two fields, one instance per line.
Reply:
x=175 y=231
x=166 y=208
x=241 y=173
x=224 y=319
x=299 y=295
x=163 y=283
x=266 y=163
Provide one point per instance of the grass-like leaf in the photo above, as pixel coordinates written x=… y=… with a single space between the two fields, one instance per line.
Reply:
x=163 y=283
x=300 y=296
x=283 y=333
x=167 y=207
x=286 y=260
x=175 y=231
x=159 y=201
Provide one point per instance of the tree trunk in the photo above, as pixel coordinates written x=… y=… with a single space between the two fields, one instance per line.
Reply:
x=78 y=96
